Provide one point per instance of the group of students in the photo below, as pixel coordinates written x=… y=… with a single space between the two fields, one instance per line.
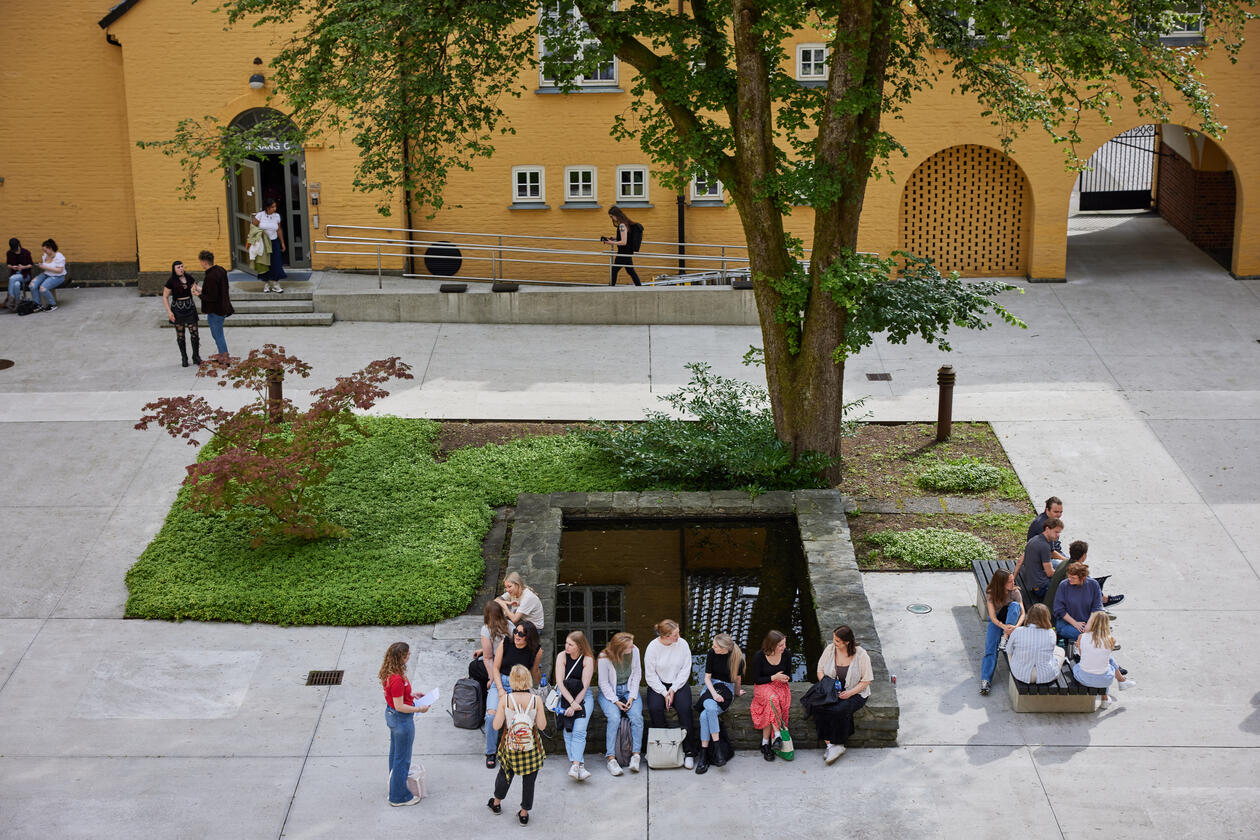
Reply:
x=1068 y=610
x=180 y=295
x=21 y=266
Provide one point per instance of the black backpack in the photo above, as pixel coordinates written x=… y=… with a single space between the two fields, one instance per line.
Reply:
x=626 y=747
x=634 y=239
x=26 y=307
x=468 y=704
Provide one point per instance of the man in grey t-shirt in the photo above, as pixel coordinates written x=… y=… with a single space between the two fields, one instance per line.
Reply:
x=1034 y=569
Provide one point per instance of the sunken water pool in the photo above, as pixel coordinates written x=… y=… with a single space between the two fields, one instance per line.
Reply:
x=744 y=577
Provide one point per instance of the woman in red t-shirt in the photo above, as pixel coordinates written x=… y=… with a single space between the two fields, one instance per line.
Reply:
x=402 y=728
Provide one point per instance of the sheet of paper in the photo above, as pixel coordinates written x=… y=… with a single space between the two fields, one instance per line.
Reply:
x=429 y=699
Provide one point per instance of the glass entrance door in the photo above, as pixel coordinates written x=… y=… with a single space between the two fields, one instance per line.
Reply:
x=246 y=201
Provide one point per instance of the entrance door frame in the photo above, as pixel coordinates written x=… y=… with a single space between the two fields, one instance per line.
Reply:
x=297 y=227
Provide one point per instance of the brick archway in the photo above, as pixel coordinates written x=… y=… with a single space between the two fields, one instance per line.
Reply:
x=968 y=208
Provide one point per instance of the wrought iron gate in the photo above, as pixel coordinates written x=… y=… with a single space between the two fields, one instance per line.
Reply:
x=1120 y=172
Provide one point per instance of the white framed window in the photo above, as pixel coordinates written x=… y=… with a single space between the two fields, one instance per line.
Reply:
x=811 y=63
x=632 y=183
x=564 y=13
x=579 y=183
x=704 y=187
x=529 y=185
x=1185 y=20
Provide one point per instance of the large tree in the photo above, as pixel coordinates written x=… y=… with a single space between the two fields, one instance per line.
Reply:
x=419 y=85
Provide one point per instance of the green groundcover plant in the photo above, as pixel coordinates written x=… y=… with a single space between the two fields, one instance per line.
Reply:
x=412 y=551
x=961 y=475
x=933 y=548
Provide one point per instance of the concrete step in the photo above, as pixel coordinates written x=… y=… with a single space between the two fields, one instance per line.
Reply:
x=279 y=319
x=273 y=306
x=290 y=293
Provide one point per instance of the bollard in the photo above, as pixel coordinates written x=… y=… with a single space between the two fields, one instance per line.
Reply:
x=945 y=407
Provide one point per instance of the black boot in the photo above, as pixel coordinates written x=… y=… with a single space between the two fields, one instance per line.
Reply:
x=719 y=755
x=767 y=752
x=702 y=761
x=196 y=341
x=183 y=348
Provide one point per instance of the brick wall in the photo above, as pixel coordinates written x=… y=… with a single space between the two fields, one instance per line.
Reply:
x=1199 y=204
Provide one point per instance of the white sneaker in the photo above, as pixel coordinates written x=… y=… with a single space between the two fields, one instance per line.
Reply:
x=1105 y=702
x=1127 y=684
x=833 y=752
x=415 y=800
x=278 y=290
x=266 y=288
x=582 y=773
x=615 y=768
x=573 y=771
x=689 y=763
x=1003 y=641
x=634 y=763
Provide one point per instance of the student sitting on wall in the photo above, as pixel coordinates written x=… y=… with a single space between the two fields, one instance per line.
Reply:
x=20 y=265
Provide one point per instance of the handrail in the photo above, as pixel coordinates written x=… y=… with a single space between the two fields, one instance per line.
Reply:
x=448 y=233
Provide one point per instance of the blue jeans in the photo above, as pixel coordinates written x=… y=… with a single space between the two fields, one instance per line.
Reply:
x=575 y=741
x=709 y=712
x=402 y=734
x=216 y=331
x=613 y=715
x=15 y=286
x=46 y=283
x=1066 y=630
x=1096 y=680
x=991 y=639
x=492 y=701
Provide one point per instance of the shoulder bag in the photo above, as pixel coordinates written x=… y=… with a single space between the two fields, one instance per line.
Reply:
x=554 y=697
x=665 y=748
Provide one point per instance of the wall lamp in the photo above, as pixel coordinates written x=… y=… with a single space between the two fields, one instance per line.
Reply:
x=257 y=80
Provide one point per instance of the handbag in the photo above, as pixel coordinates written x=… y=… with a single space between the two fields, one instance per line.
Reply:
x=665 y=748
x=554 y=697
x=783 y=746
x=415 y=780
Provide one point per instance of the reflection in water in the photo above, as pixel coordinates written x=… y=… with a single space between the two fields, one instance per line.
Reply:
x=742 y=577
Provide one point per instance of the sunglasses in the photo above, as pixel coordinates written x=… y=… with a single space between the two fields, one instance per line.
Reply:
x=519 y=633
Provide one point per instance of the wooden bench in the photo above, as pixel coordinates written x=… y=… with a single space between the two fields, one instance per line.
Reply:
x=1065 y=694
x=983 y=570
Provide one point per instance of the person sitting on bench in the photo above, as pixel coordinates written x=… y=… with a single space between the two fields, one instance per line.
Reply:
x=1006 y=612
x=1032 y=652
x=1078 y=596
x=1037 y=563
x=1076 y=554
x=1097 y=667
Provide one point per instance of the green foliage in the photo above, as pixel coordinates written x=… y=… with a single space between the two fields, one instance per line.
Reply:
x=730 y=442
x=961 y=475
x=412 y=554
x=933 y=548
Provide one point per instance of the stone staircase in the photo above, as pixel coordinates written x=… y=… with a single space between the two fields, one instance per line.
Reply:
x=294 y=308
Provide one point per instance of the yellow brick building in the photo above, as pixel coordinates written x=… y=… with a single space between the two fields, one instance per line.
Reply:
x=132 y=72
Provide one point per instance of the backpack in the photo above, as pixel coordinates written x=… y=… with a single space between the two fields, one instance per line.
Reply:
x=518 y=731
x=634 y=237
x=625 y=741
x=468 y=704
x=26 y=307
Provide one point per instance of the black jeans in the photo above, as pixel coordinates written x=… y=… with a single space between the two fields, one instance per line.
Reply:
x=502 y=783
x=834 y=722
x=686 y=719
x=625 y=261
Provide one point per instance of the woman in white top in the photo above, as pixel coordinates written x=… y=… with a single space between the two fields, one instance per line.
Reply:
x=620 y=672
x=269 y=220
x=667 y=670
x=848 y=663
x=519 y=602
x=54 y=274
x=1097 y=667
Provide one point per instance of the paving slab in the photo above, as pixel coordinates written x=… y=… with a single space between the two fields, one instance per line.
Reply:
x=42 y=555
x=1221 y=457
x=81 y=797
x=16 y=635
x=97 y=587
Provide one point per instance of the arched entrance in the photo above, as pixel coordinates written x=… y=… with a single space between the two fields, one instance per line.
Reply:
x=969 y=209
x=275 y=171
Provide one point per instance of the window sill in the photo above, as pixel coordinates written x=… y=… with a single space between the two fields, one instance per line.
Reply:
x=528 y=205
x=1188 y=39
x=812 y=83
x=548 y=89
x=580 y=205
x=640 y=204
x=707 y=202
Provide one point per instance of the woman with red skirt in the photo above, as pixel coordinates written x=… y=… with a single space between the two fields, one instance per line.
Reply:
x=772 y=692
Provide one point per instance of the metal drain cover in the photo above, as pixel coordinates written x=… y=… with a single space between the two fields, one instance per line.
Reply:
x=919 y=609
x=324 y=677
x=5 y=364
x=879 y=377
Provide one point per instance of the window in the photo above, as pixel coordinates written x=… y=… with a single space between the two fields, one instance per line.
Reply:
x=705 y=187
x=563 y=15
x=528 y=185
x=811 y=63
x=579 y=183
x=1184 y=20
x=632 y=183
x=598 y=611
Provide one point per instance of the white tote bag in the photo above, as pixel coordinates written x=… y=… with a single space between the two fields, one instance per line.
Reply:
x=415 y=780
x=665 y=748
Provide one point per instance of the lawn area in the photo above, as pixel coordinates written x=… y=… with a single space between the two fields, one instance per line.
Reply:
x=414 y=551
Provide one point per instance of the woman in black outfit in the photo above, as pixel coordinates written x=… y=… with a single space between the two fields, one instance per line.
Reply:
x=522 y=648
x=181 y=310
x=625 y=254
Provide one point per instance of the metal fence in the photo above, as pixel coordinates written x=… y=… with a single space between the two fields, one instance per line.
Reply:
x=1120 y=172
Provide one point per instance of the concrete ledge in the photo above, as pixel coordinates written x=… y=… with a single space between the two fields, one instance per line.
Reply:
x=688 y=305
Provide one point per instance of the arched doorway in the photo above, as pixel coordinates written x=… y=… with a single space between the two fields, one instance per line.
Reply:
x=969 y=209
x=274 y=171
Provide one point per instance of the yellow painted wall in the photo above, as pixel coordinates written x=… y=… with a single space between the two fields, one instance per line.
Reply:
x=63 y=152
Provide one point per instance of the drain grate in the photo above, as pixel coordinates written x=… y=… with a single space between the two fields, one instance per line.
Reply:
x=919 y=609
x=5 y=364
x=324 y=677
x=879 y=377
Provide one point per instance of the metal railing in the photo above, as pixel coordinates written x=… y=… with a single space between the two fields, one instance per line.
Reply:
x=495 y=256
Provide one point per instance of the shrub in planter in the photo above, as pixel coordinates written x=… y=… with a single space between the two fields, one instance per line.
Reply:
x=962 y=475
x=933 y=548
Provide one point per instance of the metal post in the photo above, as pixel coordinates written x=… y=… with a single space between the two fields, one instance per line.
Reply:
x=496 y=265
x=945 y=407
x=378 y=268
x=723 y=263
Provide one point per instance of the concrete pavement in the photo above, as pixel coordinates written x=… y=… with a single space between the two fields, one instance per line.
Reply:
x=1134 y=395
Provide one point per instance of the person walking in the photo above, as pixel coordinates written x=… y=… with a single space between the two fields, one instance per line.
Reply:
x=575 y=666
x=848 y=663
x=723 y=675
x=181 y=310
x=628 y=239
x=216 y=299
x=20 y=264
x=620 y=671
x=53 y=275
x=1006 y=612
x=268 y=220
x=667 y=670
x=399 y=708
x=521 y=753
x=771 y=674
